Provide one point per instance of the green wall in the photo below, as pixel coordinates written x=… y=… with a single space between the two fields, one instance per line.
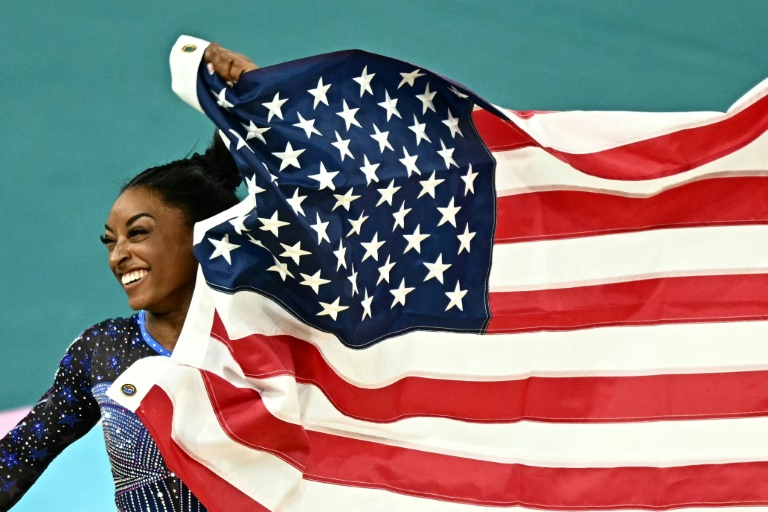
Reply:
x=85 y=103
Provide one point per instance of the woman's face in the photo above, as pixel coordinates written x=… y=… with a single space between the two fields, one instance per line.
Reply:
x=150 y=251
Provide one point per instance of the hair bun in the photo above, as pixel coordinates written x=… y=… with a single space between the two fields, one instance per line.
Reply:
x=219 y=164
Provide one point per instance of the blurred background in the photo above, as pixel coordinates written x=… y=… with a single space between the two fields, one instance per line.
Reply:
x=85 y=103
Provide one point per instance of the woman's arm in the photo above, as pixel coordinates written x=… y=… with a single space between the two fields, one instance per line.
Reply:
x=228 y=64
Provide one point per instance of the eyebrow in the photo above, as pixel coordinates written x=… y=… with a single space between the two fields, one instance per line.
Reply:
x=131 y=220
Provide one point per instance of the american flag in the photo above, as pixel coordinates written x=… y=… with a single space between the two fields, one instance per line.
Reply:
x=430 y=303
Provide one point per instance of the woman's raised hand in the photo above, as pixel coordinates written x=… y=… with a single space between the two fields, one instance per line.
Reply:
x=228 y=64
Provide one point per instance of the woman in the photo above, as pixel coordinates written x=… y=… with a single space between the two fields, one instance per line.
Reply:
x=149 y=238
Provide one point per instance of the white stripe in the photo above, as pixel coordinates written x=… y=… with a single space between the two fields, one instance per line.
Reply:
x=583 y=131
x=617 y=351
x=532 y=169
x=622 y=257
x=653 y=444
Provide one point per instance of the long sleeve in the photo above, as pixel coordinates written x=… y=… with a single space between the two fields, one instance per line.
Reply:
x=65 y=413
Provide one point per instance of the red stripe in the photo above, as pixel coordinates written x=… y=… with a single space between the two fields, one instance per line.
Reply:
x=568 y=213
x=216 y=493
x=650 y=301
x=660 y=156
x=582 y=399
x=350 y=462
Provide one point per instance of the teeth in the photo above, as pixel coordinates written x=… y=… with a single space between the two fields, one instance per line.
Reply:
x=131 y=277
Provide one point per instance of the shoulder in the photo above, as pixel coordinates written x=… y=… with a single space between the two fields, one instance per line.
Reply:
x=109 y=330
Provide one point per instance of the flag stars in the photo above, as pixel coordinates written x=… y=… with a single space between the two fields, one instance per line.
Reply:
x=426 y=100
x=357 y=224
x=449 y=213
x=340 y=254
x=221 y=99
x=353 y=279
x=382 y=138
x=325 y=178
x=239 y=224
x=295 y=202
x=457 y=92
x=254 y=132
x=387 y=193
x=365 y=81
x=272 y=224
x=332 y=309
x=399 y=217
x=281 y=269
x=428 y=186
x=366 y=303
x=308 y=125
x=390 y=105
x=410 y=78
x=294 y=252
x=384 y=271
x=314 y=281
x=240 y=141
x=372 y=248
x=320 y=228
x=348 y=115
x=344 y=200
x=253 y=188
x=419 y=129
x=456 y=297
x=469 y=181
x=343 y=146
x=447 y=155
x=415 y=239
x=369 y=170
x=436 y=269
x=453 y=124
x=409 y=161
x=289 y=157
x=464 y=239
x=320 y=93
x=275 y=107
x=400 y=293
x=223 y=248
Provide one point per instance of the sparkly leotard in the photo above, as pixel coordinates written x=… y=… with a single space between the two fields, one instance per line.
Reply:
x=75 y=403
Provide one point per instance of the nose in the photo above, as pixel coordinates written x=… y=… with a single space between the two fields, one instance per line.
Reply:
x=119 y=253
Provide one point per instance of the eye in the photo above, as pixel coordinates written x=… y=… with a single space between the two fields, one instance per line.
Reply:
x=135 y=232
x=106 y=240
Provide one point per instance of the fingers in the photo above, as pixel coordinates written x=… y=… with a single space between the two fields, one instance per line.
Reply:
x=228 y=64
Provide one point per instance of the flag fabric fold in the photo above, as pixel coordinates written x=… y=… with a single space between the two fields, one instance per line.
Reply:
x=426 y=302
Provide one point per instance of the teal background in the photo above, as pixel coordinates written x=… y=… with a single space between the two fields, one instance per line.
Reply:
x=85 y=103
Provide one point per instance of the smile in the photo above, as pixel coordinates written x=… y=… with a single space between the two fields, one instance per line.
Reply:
x=132 y=277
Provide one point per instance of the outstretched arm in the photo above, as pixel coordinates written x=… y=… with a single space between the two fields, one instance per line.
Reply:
x=228 y=64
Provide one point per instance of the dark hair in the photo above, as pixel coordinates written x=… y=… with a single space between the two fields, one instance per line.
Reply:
x=201 y=185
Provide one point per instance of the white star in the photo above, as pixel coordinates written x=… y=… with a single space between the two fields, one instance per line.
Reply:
x=344 y=200
x=223 y=248
x=369 y=170
x=272 y=224
x=366 y=303
x=436 y=269
x=314 y=281
x=256 y=132
x=353 y=279
x=357 y=224
x=400 y=294
x=222 y=99
x=319 y=93
x=415 y=239
x=449 y=213
x=274 y=107
x=296 y=201
x=237 y=222
x=281 y=268
x=325 y=178
x=390 y=105
x=410 y=163
x=456 y=297
x=240 y=141
x=372 y=248
x=426 y=100
x=225 y=139
x=320 y=227
x=253 y=188
x=348 y=115
x=469 y=180
x=387 y=193
x=340 y=254
x=465 y=238
x=453 y=124
x=409 y=78
x=381 y=138
x=447 y=154
x=428 y=186
x=384 y=271
x=289 y=157
x=308 y=125
x=419 y=129
x=343 y=146
x=365 y=81
x=295 y=252
x=332 y=309
x=457 y=93
x=256 y=242
x=400 y=217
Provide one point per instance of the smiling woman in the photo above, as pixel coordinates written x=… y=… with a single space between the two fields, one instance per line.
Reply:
x=148 y=234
